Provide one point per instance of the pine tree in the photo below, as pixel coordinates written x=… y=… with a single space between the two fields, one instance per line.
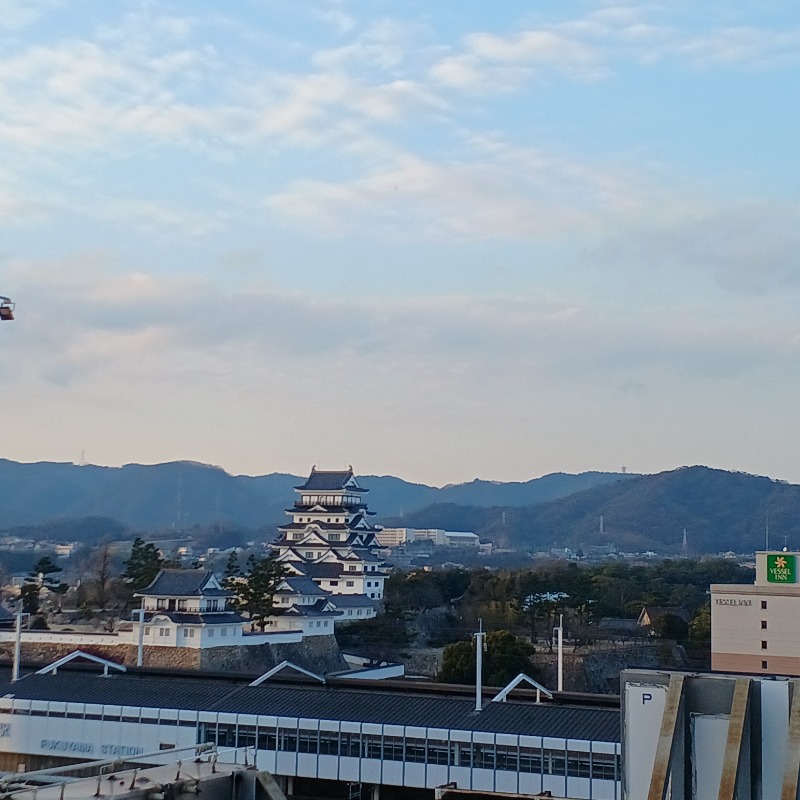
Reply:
x=143 y=564
x=255 y=589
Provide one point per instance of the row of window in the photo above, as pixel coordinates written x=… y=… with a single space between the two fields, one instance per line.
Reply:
x=188 y=633
x=171 y=604
x=330 y=500
x=507 y=758
x=144 y=719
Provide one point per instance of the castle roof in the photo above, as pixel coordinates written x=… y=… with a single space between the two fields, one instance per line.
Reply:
x=321 y=480
x=183 y=583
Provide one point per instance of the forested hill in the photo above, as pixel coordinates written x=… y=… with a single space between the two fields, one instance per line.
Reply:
x=184 y=494
x=720 y=511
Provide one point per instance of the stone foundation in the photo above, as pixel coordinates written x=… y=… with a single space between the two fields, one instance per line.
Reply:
x=318 y=654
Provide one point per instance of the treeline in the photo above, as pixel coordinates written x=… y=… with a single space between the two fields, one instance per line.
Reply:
x=433 y=609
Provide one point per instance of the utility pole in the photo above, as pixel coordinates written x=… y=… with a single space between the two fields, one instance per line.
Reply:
x=479 y=637
x=18 y=642
x=559 y=631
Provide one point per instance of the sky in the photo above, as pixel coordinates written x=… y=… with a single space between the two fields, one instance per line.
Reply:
x=440 y=240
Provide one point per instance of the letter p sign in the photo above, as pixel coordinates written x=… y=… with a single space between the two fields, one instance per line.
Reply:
x=646 y=697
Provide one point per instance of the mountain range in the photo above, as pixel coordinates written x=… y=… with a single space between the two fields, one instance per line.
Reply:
x=182 y=494
x=718 y=509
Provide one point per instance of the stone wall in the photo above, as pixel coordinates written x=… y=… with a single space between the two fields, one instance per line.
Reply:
x=318 y=654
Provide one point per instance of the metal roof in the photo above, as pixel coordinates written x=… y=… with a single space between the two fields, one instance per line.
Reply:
x=403 y=707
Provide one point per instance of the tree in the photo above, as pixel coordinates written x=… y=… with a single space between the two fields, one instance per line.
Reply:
x=143 y=565
x=40 y=577
x=505 y=657
x=232 y=572
x=255 y=589
x=29 y=595
x=102 y=573
x=700 y=626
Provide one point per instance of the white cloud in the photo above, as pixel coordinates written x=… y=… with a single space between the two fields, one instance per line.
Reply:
x=18 y=14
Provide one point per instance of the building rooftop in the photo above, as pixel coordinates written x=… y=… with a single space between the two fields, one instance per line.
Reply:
x=402 y=705
x=182 y=583
x=330 y=481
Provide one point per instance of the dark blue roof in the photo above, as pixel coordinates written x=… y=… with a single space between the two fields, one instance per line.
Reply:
x=326 y=481
x=182 y=583
x=391 y=706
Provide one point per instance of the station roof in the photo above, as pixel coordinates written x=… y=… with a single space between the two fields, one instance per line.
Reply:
x=373 y=704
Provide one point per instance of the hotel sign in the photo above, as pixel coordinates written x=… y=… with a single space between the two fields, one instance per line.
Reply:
x=781 y=568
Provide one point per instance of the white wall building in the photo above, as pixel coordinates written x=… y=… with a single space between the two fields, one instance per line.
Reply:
x=188 y=608
x=330 y=540
x=756 y=628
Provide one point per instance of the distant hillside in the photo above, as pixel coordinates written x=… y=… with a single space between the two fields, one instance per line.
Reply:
x=182 y=494
x=720 y=511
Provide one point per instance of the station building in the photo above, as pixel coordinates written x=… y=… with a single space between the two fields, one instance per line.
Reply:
x=319 y=737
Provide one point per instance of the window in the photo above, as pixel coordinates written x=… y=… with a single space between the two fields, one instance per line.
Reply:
x=328 y=743
x=484 y=756
x=350 y=583
x=438 y=752
x=308 y=554
x=350 y=744
x=210 y=633
x=308 y=742
x=415 y=751
x=191 y=633
x=369 y=584
x=763 y=605
x=393 y=748
x=507 y=758
x=147 y=630
x=605 y=766
x=372 y=746
x=334 y=583
x=763 y=624
x=763 y=644
x=224 y=632
x=763 y=665
x=163 y=631
x=185 y=633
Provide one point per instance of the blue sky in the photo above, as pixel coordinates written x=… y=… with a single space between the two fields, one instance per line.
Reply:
x=441 y=240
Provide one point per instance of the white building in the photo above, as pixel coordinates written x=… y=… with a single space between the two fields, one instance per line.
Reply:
x=330 y=539
x=756 y=628
x=303 y=606
x=188 y=608
x=399 y=537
